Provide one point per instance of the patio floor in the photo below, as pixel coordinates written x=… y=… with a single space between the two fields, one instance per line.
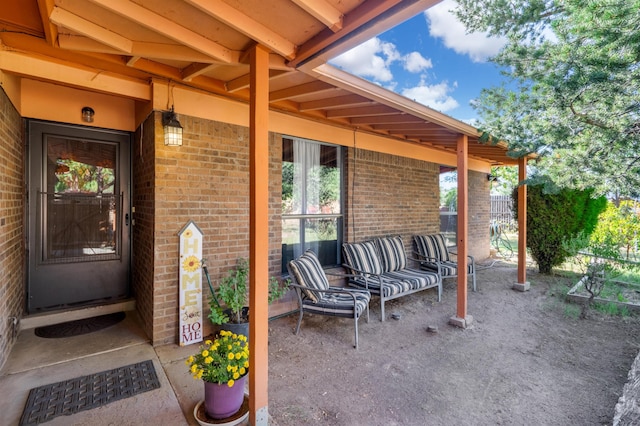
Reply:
x=526 y=359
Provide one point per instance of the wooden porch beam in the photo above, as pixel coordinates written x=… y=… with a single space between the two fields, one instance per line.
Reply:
x=73 y=76
x=239 y=21
x=357 y=18
x=172 y=52
x=462 y=318
x=368 y=111
x=384 y=119
x=50 y=31
x=522 y=284
x=193 y=70
x=417 y=126
x=323 y=12
x=170 y=29
x=243 y=82
x=336 y=102
x=301 y=90
x=80 y=25
x=259 y=237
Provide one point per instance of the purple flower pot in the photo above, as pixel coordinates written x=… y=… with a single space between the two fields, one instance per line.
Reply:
x=222 y=401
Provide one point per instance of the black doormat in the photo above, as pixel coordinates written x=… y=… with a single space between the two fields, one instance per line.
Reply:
x=79 y=327
x=87 y=392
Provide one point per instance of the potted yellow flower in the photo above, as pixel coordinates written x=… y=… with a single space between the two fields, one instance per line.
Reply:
x=223 y=365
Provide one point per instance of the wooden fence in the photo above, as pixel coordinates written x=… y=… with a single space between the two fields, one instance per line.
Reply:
x=502 y=212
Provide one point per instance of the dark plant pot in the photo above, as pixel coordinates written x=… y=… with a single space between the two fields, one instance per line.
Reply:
x=237 y=328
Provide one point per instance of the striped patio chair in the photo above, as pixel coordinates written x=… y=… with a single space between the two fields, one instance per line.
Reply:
x=433 y=254
x=316 y=296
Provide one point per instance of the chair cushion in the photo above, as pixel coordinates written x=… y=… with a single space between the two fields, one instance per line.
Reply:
x=392 y=253
x=447 y=269
x=432 y=246
x=339 y=305
x=309 y=273
x=362 y=256
x=397 y=282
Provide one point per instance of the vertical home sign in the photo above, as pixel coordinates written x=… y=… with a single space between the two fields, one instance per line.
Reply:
x=190 y=284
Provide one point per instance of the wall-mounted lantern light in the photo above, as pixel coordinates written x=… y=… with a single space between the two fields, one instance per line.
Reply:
x=87 y=114
x=172 y=128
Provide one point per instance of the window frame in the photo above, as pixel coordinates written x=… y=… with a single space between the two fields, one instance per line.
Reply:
x=302 y=218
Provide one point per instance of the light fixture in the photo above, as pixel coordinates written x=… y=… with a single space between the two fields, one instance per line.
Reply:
x=492 y=178
x=87 y=114
x=172 y=128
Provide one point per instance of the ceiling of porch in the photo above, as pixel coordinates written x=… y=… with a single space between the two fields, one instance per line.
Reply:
x=205 y=43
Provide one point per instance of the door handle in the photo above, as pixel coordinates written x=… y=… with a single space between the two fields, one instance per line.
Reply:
x=126 y=219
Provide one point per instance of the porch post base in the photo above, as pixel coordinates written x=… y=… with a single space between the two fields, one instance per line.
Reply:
x=461 y=322
x=522 y=286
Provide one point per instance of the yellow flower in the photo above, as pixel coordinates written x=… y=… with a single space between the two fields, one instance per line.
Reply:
x=208 y=342
x=246 y=364
x=239 y=355
x=191 y=264
x=205 y=353
x=194 y=368
x=242 y=371
x=230 y=356
x=229 y=368
x=208 y=360
x=236 y=376
x=230 y=383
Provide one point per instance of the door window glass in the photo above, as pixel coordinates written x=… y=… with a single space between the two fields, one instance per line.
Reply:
x=81 y=201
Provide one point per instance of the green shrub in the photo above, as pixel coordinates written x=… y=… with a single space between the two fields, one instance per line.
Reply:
x=555 y=217
x=619 y=226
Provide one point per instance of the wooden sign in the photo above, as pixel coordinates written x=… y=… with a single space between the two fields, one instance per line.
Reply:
x=190 y=284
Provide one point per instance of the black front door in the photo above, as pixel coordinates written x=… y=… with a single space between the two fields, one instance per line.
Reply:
x=78 y=244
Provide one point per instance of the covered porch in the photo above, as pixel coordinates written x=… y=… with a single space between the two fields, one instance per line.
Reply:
x=238 y=83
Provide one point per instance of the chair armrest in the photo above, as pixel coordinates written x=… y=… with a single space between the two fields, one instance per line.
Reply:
x=423 y=258
x=334 y=290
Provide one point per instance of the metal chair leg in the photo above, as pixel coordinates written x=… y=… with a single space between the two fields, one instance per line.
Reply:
x=299 y=322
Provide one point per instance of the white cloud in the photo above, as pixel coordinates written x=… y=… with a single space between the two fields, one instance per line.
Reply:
x=370 y=59
x=414 y=62
x=374 y=58
x=435 y=96
x=445 y=25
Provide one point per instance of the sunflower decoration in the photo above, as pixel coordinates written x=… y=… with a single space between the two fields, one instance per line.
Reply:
x=191 y=264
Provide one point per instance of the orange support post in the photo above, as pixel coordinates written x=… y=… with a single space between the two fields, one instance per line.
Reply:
x=522 y=284
x=462 y=319
x=259 y=237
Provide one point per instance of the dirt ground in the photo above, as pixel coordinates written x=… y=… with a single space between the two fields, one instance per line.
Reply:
x=527 y=359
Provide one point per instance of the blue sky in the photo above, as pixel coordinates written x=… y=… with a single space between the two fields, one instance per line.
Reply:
x=429 y=59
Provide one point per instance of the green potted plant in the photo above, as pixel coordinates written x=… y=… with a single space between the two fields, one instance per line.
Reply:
x=229 y=301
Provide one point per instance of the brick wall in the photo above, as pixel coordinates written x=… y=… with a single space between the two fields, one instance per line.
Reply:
x=12 y=215
x=143 y=200
x=479 y=215
x=390 y=195
x=205 y=180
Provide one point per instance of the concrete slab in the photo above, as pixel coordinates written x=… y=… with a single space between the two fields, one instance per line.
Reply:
x=159 y=406
x=35 y=361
